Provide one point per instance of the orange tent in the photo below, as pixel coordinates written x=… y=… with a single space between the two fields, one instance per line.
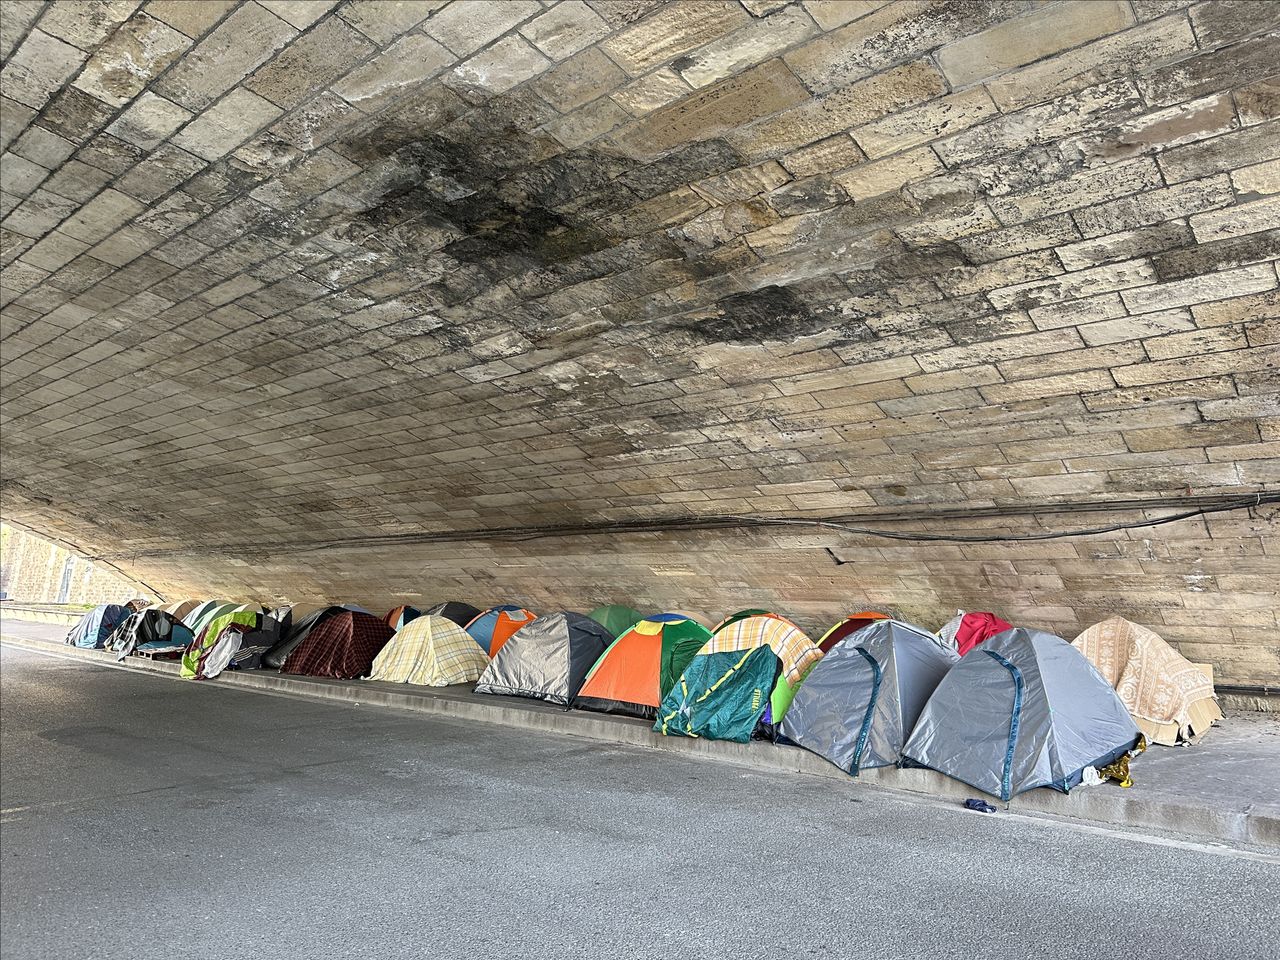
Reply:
x=497 y=625
x=638 y=669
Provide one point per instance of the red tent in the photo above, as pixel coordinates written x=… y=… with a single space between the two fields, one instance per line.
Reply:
x=975 y=628
x=342 y=646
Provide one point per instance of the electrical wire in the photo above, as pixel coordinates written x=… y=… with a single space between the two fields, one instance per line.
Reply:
x=738 y=522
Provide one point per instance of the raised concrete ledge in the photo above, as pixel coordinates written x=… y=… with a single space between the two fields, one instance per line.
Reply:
x=1216 y=818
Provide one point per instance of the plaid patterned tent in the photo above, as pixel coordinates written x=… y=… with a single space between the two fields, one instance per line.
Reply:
x=430 y=651
x=796 y=651
x=342 y=646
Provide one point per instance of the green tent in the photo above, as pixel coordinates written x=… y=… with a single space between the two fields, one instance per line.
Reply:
x=720 y=696
x=615 y=617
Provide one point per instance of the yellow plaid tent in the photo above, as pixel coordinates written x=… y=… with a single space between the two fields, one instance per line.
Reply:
x=796 y=651
x=432 y=652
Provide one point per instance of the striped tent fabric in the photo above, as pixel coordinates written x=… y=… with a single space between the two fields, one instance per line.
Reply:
x=431 y=652
x=796 y=651
x=342 y=646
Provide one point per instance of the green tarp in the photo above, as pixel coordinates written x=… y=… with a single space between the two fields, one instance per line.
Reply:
x=720 y=696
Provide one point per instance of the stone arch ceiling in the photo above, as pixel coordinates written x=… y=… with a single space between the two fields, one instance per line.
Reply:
x=284 y=275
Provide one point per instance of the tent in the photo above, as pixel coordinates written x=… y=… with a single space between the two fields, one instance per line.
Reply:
x=397 y=617
x=796 y=651
x=342 y=646
x=547 y=659
x=96 y=625
x=298 y=631
x=636 y=671
x=860 y=702
x=743 y=615
x=1026 y=710
x=849 y=625
x=720 y=696
x=965 y=631
x=180 y=608
x=209 y=613
x=200 y=648
x=430 y=651
x=459 y=613
x=151 y=633
x=493 y=627
x=615 y=617
x=1170 y=698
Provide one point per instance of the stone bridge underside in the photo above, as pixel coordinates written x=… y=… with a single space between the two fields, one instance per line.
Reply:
x=299 y=295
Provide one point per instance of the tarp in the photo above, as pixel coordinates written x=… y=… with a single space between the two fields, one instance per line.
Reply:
x=180 y=608
x=1169 y=697
x=198 y=613
x=493 y=627
x=209 y=613
x=965 y=631
x=860 y=702
x=616 y=617
x=547 y=659
x=342 y=646
x=214 y=657
x=430 y=651
x=298 y=631
x=850 y=624
x=1024 y=710
x=201 y=646
x=397 y=617
x=97 y=625
x=459 y=613
x=636 y=671
x=720 y=696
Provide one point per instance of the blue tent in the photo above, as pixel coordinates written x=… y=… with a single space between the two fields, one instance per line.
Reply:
x=96 y=625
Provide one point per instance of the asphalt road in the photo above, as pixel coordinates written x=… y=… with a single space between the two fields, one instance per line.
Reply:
x=148 y=818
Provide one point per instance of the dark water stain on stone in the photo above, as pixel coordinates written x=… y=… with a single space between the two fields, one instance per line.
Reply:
x=771 y=314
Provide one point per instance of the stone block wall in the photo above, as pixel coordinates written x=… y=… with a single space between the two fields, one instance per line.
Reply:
x=33 y=570
x=280 y=279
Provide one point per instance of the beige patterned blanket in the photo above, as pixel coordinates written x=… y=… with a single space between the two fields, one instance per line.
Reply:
x=1157 y=684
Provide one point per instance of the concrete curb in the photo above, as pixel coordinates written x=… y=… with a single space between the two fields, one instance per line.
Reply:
x=1109 y=805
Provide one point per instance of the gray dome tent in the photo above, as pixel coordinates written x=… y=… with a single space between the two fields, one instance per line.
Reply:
x=860 y=702
x=1024 y=710
x=547 y=659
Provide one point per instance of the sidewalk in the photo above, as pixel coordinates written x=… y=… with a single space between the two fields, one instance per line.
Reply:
x=1227 y=789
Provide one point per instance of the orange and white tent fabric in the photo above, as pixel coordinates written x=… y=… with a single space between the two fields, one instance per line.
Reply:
x=431 y=652
x=1170 y=698
x=796 y=651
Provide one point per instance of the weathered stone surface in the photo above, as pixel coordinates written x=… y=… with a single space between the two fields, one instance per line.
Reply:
x=246 y=38
x=149 y=121
x=402 y=65
x=754 y=43
x=385 y=269
x=311 y=63
x=470 y=25
x=672 y=30
x=565 y=29
x=757 y=93
x=39 y=67
x=1034 y=36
